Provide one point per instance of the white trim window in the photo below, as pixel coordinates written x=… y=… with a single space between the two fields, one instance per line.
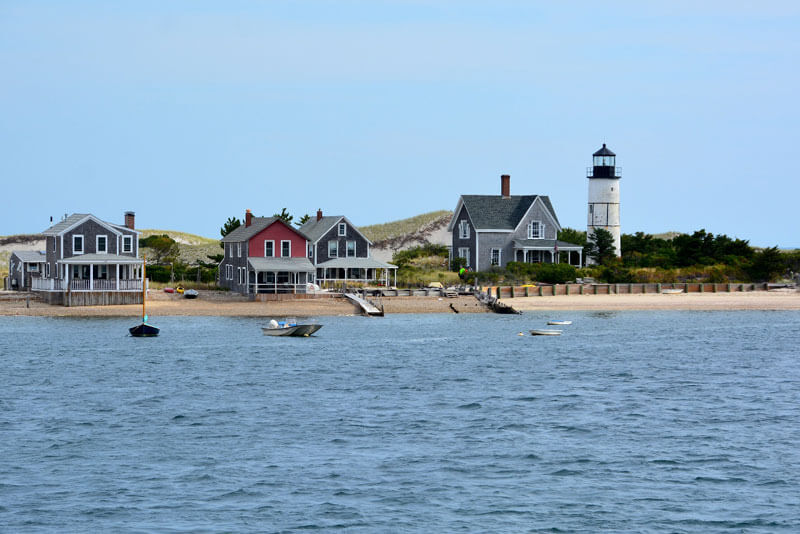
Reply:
x=351 y=249
x=310 y=250
x=127 y=244
x=535 y=230
x=286 y=249
x=342 y=229
x=269 y=248
x=238 y=250
x=333 y=248
x=496 y=256
x=47 y=269
x=463 y=252
x=33 y=267
x=54 y=244
x=101 y=244
x=229 y=272
x=463 y=229
x=77 y=244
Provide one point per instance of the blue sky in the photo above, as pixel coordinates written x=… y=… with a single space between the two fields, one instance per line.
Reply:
x=189 y=112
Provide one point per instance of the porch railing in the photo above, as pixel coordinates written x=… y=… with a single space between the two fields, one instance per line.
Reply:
x=273 y=287
x=55 y=284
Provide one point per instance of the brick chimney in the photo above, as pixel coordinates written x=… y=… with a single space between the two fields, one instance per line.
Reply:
x=505 y=185
x=130 y=220
x=248 y=218
x=319 y=214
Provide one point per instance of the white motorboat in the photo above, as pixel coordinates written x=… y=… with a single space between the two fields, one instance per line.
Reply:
x=559 y=322
x=290 y=328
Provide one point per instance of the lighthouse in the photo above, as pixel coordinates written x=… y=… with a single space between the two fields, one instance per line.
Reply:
x=604 y=196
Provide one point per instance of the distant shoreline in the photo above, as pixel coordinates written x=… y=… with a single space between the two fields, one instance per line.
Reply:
x=160 y=304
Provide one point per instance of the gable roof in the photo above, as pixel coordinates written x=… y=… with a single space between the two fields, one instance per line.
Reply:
x=496 y=212
x=244 y=233
x=75 y=219
x=316 y=229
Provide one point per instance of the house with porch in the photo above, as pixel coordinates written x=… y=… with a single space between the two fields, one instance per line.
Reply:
x=341 y=253
x=265 y=255
x=23 y=267
x=88 y=261
x=493 y=230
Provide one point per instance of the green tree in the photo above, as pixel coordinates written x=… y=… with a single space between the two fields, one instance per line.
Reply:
x=230 y=225
x=767 y=265
x=600 y=246
x=304 y=219
x=570 y=235
x=284 y=216
x=163 y=248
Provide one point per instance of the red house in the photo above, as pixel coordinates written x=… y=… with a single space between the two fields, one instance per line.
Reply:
x=265 y=255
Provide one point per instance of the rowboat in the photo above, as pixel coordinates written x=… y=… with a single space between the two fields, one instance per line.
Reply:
x=545 y=332
x=559 y=322
x=190 y=294
x=144 y=329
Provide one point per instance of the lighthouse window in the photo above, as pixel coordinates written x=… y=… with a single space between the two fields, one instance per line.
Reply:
x=535 y=230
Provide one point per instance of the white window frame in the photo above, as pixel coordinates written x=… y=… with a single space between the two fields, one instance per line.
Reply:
x=127 y=244
x=54 y=245
x=83 y=244
x=102 y=272
x=271 y=241
x=97 y=244
x=239 y=249
x=33 y=267
x=310 y=250
x=335 y=244
x=229 y=272
x=463 y=229
x=539 y=226
x=499 y=252
x=342 y=229
x=286 y=242
x=47 y=270
x=463 y=252
x=347 y=249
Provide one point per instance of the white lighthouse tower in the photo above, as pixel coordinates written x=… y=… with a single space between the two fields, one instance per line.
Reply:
x=604 y=196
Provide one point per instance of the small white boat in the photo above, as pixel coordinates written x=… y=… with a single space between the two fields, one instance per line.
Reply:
x=545 y=332
x=559 y=322
x=671 y=291
x=289 y=328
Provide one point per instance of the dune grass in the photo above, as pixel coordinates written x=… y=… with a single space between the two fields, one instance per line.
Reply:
x=403 y=227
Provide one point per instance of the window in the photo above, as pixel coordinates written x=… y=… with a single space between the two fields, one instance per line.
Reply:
x=351 y=249
x=463 y=229
x=33 y=267
x=77 y=244
x=102 y=244
x=333 y=249
x=239 y=250
x=310 y=250
x=102 y=272
x=269 y=249
x=286 y=249
x=342 y=229
x=127 y=243
x=229 y=272
x=54 y=244
x=463 y=252
x=535 y=230
x=495 y=257
x=47 y=269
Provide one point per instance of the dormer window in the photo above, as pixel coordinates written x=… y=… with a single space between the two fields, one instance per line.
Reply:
x=102 y=244
x=77 y=244
x=342 y=229
x=535 y=230
x=463 y=229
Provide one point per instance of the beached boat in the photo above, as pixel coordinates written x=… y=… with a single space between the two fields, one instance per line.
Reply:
x=179 y=289
x=544 y=332
x=169 y=290
x=559 y=322
x=190 y=294
x=144 y=329
x=289 y=328
x=671 y=291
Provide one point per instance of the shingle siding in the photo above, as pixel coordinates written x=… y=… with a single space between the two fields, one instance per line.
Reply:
x=231 y=258
x=470 y=242
x=351 y=234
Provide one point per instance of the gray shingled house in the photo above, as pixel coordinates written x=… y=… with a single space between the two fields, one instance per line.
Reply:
x=341 y=253
x=88 y=261
x=493 y=230
x=23 y=267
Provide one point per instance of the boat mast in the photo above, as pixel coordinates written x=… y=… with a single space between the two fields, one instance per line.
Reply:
x=144 y=293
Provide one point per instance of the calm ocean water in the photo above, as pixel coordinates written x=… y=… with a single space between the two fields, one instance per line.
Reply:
x=629 y=422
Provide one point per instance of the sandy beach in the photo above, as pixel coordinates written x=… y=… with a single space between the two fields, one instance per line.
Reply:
x=220 y=304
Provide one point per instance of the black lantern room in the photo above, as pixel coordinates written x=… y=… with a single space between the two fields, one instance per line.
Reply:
x=604 y=163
